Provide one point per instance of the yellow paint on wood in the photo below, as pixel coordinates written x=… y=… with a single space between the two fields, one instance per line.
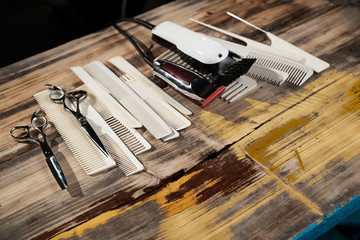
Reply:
x=182 y=212
x=352 y=105
x=160 y=198
x=216 y=124
x=94 y=222
x=258 y=149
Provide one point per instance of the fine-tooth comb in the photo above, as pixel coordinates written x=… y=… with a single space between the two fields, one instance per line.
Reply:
x=86 y=152
x=161 y=108
x=114 y=108
x=238 y=88
x=311 y=61
x=121 y=122
x=297 y=73
x=128 y=163
x=132 y=139
x=132 y=102
x=136 y=80
x=242 y=86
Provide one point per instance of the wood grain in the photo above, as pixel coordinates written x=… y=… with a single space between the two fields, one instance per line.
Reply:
x=264 y=167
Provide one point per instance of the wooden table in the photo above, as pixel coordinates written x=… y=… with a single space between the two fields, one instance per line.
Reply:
x=282 y=162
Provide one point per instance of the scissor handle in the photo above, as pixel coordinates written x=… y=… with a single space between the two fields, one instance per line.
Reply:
x=78 y=95
x=57 y=95
x=39 y=122
x=22 y=133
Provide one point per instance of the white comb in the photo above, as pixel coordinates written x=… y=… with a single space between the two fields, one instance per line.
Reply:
x=238 y=88
x=254 y=44
x=132 y=139
x=128 y=163
x=138 y=82
x=297 y=73
x=266 y=74
x=311 y=61
x=105 y=99
x=86 y=152
x=132 y=102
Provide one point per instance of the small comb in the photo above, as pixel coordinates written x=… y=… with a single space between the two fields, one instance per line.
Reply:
x=238 y=88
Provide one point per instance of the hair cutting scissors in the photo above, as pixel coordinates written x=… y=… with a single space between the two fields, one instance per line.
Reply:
x=23 y=133
x=59 y=96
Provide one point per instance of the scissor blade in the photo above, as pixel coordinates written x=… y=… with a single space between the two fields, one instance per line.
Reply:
x=92 y=135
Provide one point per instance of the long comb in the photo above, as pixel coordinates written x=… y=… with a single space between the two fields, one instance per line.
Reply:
x=297 y=73
x=88 y=155
x=119 y=120
x=104 y=98
x=117 y=149
x=254 y=44
x=137 y=82
x=132 y=139
x=132 y=102
x=311 y=61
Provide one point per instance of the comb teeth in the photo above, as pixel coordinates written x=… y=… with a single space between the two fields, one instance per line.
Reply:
x=148 y=92
x=266 y=74
x=121 y=158
x=88 y=155
x=298 y=73
x=130 y=137
x=131 y=101
x=234 y=71
x=238 y=88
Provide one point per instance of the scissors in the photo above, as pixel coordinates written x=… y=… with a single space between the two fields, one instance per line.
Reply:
x=22 y=134
x=59 y=96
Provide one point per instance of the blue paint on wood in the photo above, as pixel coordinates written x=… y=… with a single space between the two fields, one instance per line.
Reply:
x=338 y=214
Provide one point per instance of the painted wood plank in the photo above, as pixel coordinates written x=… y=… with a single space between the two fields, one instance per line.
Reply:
x=294 y=181
x=227 y=197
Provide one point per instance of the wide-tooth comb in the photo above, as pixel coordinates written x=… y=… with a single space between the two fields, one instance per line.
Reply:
x=132 y=139
x=136 y=80
x=297 y=73
x=238 y=88
x=311 y=61
x=130 y=100
x=86 y=152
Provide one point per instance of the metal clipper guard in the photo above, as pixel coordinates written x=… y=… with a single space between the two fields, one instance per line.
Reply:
x=186 y=81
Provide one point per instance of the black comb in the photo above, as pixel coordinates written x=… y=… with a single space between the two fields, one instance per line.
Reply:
x=234 y=71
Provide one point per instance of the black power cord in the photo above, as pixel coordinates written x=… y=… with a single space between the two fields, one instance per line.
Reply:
x=132 y=41
x=138 y=21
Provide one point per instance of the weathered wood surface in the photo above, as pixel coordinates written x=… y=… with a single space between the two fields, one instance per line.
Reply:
x=264 y=167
